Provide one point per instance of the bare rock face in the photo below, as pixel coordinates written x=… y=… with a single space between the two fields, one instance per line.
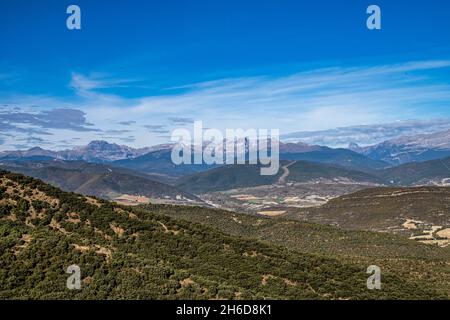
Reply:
x=407 y=149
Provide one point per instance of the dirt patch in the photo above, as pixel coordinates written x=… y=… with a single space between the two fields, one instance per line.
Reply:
x=445 y=233
x=104 y=251
x=81 y=248
x=186 y=282
x=26 y=239
x=93 y=201
x=167 y=230
x=272 y=213
x=267 y=277
x=56 y=226
x=411 y=224
x=130 y=200
x=73 y=218
x=117 y=230
x=88 y=280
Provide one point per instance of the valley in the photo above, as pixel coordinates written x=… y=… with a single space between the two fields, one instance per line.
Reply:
x=177 y=252
x=336 y=211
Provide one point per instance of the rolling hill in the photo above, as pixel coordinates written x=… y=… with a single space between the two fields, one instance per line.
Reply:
x=394 y=252
x=138 y=253
x=338 y=157
x=97 y=179
x=384 y=209
x=160 y=162
x=239 y=176
x=419 y=173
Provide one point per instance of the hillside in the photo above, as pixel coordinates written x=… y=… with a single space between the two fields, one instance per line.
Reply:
x=395 y=253
x=338 y=157
x=302 y=171
x=387 y=209
x=239 y=176
x=160 y=161
x=130 y=253
x=97 y=179
x=419 y=173
x=415 y=148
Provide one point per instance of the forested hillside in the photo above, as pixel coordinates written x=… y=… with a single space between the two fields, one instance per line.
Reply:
x=132 y=253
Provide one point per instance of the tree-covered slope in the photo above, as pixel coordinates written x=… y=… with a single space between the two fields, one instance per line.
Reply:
x=127 y=253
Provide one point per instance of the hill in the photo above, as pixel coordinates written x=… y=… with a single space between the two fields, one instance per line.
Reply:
x=395 y=253
x=239 y=176
x=338 y=157
x=434 y=172
x=407 y=211
x=160 y=161
x=132 y=253
x=98 y=180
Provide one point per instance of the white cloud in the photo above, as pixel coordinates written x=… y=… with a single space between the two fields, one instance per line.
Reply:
x=308 y=100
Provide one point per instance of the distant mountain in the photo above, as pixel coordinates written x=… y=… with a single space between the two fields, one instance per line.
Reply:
x=368 y=134
x=240 y=176
x=161 y=162
x=97 y=179
x=157 y=159
x=101 y=151
x=407 y=149
x=96 y=151
x=298 y=147
x=35 y=153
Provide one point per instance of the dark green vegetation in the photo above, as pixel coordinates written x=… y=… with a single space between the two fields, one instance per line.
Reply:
x=225 y=178
x=413 y=261
x=97 y=179
x=142 y=253
x=340 y=157
x=418 y=172
x=302 y=171
x=160 y=162
x=381 y=208
x=240 y=176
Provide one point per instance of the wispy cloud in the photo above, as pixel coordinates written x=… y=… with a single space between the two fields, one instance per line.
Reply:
x=307 y=100
x=83 y=84
x=181 y=120
x=368 y=134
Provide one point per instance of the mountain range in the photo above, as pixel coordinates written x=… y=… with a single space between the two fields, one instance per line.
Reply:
x=98 y=151
x=407 y=149
x=404 y=149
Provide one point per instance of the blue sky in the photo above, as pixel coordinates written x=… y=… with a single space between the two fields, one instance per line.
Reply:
x=139 y=69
